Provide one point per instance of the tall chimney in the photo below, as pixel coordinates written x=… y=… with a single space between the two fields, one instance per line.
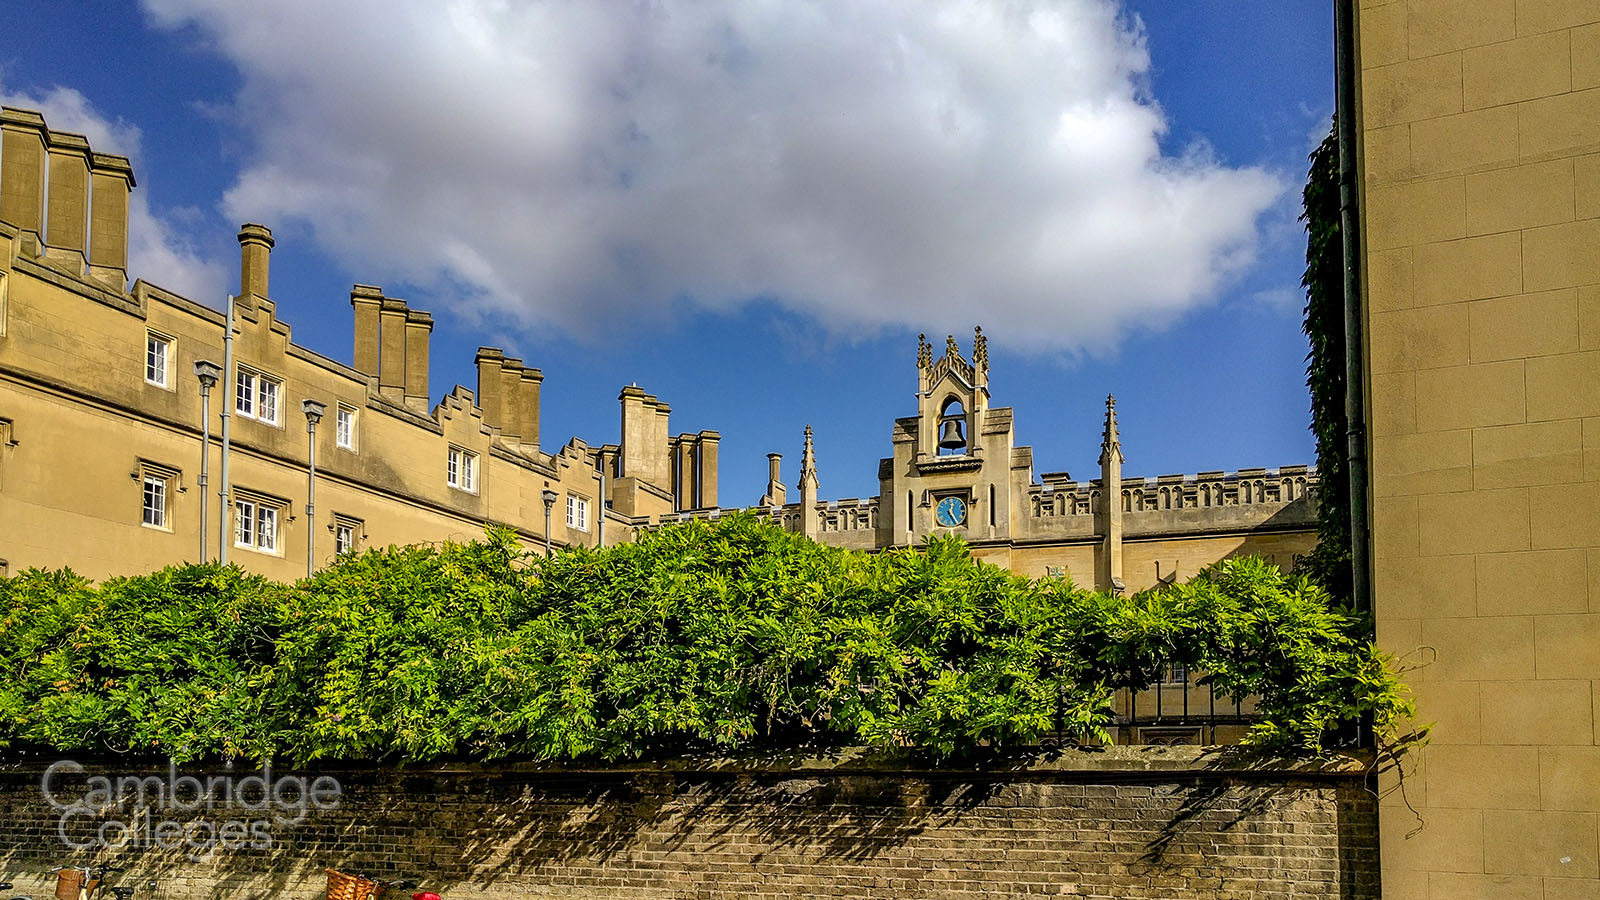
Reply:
x=528 y=399
x=366 y=299
x=706 y=458
x=255 y=257
x=490 y=396
x=67 y=223
x=392 y=349
x=637 y=431
x=511 y=399
x=418 y=326
x=22 y=151
x=110 y=180
x=775 y=495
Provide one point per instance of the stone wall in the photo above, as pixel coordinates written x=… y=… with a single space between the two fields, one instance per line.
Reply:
x=1127 y=822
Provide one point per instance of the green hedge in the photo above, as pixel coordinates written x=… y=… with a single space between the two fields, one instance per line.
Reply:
x=726 y=636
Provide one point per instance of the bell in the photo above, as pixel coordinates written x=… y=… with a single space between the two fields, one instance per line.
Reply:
x=950 y=436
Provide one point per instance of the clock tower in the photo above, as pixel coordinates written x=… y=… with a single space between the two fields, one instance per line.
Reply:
x=954 y=465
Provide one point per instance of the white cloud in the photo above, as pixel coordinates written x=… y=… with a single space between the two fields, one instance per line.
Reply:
x=158 y=252
x=587 y=164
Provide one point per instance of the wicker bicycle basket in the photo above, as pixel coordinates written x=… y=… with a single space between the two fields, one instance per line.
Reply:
x=351 y=887
x=69 y=880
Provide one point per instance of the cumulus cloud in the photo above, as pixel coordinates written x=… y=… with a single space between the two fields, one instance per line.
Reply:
x=594 y=164
x=158 y=251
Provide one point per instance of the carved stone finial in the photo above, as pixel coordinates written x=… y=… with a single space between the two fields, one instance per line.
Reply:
x=924 y=352
x=1110 y=438
x=950 y=348
x=980 y=349
x=808 y=466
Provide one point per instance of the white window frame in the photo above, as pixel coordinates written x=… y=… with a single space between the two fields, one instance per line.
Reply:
x=344 y=427
x=258 y=524
x=165 y=479
x=158 y=488
x=152 y=341
x=577 y=512
x=255 y=392
x=461 y=470
x=344 y=526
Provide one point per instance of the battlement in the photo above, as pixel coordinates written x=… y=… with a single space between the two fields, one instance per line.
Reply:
x=1058 y=498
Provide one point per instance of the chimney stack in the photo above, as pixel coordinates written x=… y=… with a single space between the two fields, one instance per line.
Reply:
x=528 y=399
x=706 y=460
x=392 y=315
x=645 y=444
x=67 y=221
x=110 y=180
x=22 y=150
x=366 y=299
x=418 y=326
x=255 y=257
x=491 y=396
x=775 y=495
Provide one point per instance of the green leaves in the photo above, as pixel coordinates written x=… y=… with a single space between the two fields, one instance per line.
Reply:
x=724 y=636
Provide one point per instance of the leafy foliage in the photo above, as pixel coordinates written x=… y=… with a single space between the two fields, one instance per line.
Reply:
x=1323 y=281
x=732 y=635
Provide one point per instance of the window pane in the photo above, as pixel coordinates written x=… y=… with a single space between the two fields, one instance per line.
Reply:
x=268 y=411
x=244 y=524
x=345 y=427
x=155 y=360
x=452 y=468
x=267 y=532
x=245 y=394
x=469 y=471
x=155 y=501
x=344 y=537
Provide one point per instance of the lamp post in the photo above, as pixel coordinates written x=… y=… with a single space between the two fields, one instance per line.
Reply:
x=313 y=411
x=208 y=372
x=549 y=504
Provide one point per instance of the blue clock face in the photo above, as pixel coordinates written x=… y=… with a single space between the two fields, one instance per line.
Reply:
x=951 y=512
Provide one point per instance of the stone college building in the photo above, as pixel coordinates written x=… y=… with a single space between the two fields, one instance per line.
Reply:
x=114 y=400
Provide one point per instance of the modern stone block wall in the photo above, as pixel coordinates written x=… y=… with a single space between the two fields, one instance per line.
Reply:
x=1480 y=125
x=1125 y=822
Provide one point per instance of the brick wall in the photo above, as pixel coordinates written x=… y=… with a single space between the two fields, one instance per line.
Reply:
x=1128 y=822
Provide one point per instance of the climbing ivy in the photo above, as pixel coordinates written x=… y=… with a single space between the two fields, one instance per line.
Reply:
x=1323 y=281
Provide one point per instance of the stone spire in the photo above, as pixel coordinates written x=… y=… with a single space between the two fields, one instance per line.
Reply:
x=810 y=524
x=1109 y=514
x=1110 y=440
x=980 y=350
x=924 y=352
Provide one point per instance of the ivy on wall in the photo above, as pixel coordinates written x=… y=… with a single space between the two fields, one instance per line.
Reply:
x=1323 y=281
x=727 y=636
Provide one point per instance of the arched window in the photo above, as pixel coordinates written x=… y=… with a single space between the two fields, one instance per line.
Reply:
x=952 y=434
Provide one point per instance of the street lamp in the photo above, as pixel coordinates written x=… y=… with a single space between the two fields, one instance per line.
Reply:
x=549 y=504
x=313 y=411
x=208 y=372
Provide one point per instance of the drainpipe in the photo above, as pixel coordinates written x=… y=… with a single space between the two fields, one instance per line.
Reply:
x=1355 y=409
x=1355 y=378
x=229 y=386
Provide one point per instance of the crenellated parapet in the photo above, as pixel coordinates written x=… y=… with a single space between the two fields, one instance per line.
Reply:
x=1206 y=490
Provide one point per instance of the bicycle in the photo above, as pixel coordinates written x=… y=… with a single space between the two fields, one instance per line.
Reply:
x=79 y=883
x=358 y=886
x=83 y=882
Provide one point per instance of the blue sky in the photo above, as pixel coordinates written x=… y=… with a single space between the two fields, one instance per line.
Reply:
x=749 y=210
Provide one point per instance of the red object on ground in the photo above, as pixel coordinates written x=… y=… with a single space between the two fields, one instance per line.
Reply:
x=424 y=897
